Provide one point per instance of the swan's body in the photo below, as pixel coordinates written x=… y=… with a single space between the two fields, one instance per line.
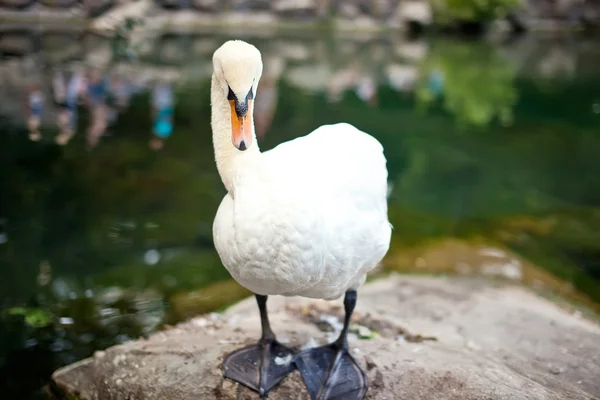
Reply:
x=309 y=217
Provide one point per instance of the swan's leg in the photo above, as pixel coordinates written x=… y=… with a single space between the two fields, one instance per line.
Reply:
x=263 y=365
x=330 y=372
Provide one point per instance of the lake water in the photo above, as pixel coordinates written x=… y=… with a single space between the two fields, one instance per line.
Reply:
x=105 y=228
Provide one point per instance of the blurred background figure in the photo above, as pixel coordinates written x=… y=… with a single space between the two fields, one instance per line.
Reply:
x=435 y=83
x=96 y=88
x=100 y=112
x=366 y=89
x=67 y=97
x=35 y=107
x=340 y=81
x=162 y=112
x=265 y=105
x=402 y=78
x=59 y=86
x=121 y=89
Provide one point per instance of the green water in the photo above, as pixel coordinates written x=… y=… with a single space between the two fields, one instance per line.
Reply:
x=102 y=244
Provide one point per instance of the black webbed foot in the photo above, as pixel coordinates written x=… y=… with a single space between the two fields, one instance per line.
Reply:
x=259 y=366
x=263 y=365
x=330 y=372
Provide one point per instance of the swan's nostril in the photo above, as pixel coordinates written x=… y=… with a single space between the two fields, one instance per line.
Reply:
x=241 y=109
x=242 y=146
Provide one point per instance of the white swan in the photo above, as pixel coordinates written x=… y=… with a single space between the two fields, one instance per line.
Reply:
x=307 y=218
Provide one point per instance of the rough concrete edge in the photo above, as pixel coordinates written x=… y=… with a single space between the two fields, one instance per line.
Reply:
x=70 y=393
x=85 y=368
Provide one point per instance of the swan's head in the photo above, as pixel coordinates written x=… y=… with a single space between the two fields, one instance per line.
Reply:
x=237 y=68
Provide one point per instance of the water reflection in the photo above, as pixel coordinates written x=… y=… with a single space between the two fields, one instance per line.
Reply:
x=105 y=97
x=34 y=111
x=67 y=95
x=162 y=110
x=265 y=105
x=122 y=89
x=476 y=93
x=98 y=247
x=441 y=73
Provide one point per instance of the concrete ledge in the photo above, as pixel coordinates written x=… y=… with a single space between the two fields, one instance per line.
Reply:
x=438 y=338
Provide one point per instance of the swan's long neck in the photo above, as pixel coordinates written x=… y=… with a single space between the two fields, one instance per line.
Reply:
x=231 y=162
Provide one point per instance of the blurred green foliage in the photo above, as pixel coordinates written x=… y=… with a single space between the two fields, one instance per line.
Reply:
x=474 y=83
x=34 y=317
x=473 y=10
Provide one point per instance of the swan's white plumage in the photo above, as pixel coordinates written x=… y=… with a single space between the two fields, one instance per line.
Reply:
x=307 y=218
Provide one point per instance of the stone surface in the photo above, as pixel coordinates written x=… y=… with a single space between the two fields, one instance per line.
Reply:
x=534 y=15
x=291 y=8
x=18 y=4
x=206 y=5
x=439 y=338
x=415 y=11
x=116 y=18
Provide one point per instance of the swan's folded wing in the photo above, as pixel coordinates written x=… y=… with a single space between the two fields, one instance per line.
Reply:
x=337 y=163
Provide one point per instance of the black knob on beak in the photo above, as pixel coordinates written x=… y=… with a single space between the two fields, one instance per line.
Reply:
x=242 y=146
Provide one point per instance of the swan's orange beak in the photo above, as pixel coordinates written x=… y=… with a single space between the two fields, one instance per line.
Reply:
x=241 y=126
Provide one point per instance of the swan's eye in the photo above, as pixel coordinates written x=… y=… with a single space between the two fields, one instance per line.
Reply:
x=249 y=96
x=230 y=95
